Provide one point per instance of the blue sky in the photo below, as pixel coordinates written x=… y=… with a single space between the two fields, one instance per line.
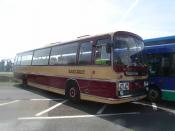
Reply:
x=29 y=24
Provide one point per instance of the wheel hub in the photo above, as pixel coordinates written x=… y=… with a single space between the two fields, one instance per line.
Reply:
x=72 y=92
x=153 y=94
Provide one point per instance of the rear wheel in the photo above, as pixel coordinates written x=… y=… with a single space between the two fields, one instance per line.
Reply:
x=73 y=93
x=154 y=94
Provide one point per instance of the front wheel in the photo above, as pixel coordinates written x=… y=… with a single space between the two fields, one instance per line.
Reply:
x=73 y=94
x=154 y=94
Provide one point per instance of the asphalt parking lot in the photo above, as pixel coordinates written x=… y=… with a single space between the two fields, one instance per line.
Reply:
x=31 y=109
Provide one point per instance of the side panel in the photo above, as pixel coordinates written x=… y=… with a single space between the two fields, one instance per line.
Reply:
x=167 y=86
x=168 y=95
x=97 y=88
x=57 y=82
x=102 y=88
x=92 y=80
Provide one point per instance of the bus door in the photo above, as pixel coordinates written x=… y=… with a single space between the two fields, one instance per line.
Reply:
x=101 y=70
x=85 y=62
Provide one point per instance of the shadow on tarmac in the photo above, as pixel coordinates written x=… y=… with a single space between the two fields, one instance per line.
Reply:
x=147 y=119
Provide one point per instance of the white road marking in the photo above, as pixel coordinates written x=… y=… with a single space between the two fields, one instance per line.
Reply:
x=77 y=116
x=51 y=108
x=154 y=106
x=100 y=111
x=2 y=104
x=45 y=99
x=158 y=107
x=143 y=104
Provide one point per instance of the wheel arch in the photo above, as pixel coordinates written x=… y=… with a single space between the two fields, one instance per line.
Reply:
x=154 y=86
x=70 y=82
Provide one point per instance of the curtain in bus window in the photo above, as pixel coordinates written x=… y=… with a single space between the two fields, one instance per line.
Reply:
x=41 y=57
x=85 y=53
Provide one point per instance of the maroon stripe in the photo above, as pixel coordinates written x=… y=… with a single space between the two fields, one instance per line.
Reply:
x=91 y=87
x=57 y=82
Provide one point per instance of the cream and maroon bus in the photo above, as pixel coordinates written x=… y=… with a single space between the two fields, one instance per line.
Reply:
x=105 y=68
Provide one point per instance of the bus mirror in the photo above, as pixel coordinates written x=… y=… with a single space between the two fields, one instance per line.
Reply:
x=108 y=47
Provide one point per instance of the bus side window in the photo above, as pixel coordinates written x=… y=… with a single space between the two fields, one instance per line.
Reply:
x=85 y=53
x=18 y=60
x=101 y=56
x=172 y=69
x=41 y=56
x=26 y=58
x=56 y=55
x=69 y=53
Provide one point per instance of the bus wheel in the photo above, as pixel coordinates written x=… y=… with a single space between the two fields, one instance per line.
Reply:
x=154 y=94
x=73 y=94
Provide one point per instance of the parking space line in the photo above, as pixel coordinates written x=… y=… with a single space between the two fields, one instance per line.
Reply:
x=141 y=103
x=155 y=106
x=77 y=116
x=51 y=108
x=2 y=104
x=45 y=99
x=100 y=111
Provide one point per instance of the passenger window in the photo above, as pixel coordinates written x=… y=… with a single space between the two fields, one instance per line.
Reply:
x=101 y=56
x=85 y=53
x=26 y=58
x=172 y=68
x=41 y=57
x=18 y=60
x=64 y=54
x=56 y=56
x=69 y=53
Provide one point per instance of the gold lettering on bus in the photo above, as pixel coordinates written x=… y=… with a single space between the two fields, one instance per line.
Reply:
x=77 y=71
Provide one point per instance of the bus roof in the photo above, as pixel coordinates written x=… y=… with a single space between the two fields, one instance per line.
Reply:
x=159 y=45
x=159 y=40
x=79 y=39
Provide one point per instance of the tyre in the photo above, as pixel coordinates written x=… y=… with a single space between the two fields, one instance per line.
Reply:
x=73 y=93
x=154 y=94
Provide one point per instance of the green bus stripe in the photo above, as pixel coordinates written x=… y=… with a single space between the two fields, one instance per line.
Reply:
x=168 y=95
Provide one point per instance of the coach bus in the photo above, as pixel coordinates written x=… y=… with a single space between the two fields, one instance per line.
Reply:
x=159 y=53
x=105 y=68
